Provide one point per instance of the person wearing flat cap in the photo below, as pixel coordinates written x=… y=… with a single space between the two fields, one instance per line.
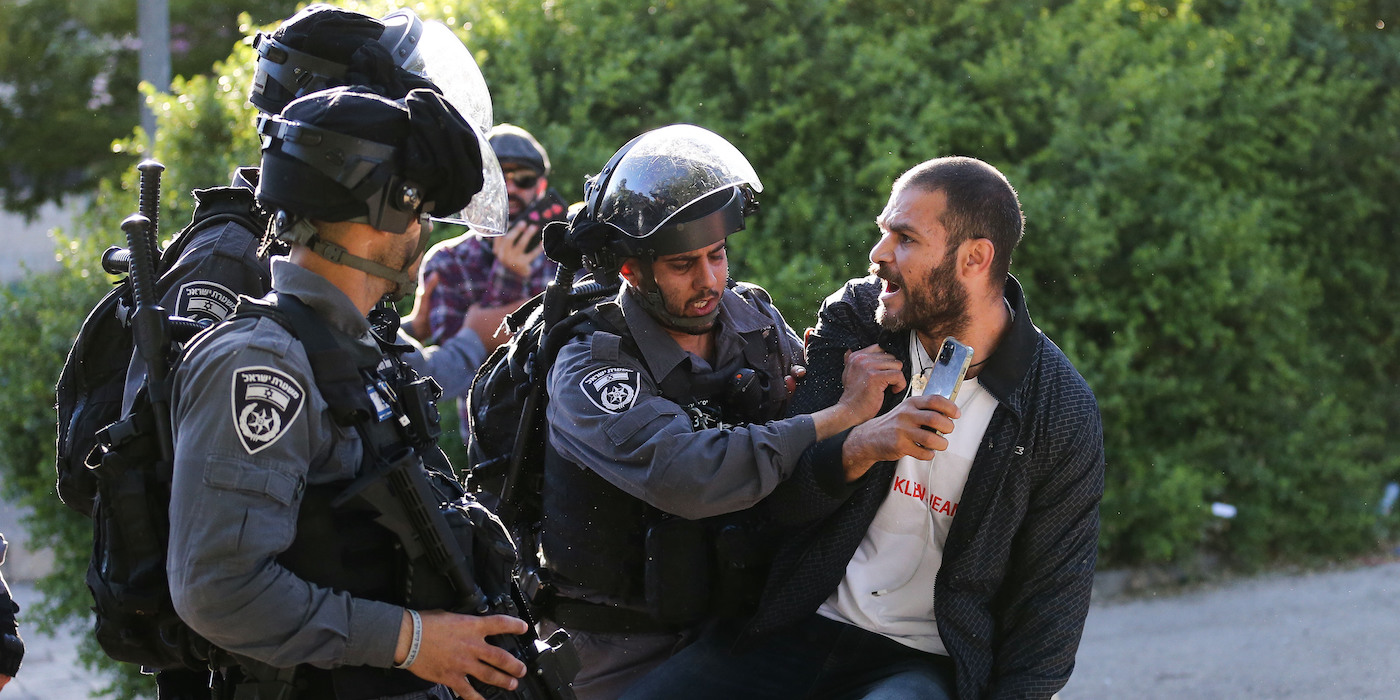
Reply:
x=471 y=282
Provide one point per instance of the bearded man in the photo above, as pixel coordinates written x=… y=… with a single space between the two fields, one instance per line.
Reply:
x=938 y=550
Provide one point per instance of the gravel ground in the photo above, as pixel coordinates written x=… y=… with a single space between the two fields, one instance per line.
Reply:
x=1332 y=635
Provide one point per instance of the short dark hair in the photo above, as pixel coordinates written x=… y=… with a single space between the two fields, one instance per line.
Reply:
x=981 y=204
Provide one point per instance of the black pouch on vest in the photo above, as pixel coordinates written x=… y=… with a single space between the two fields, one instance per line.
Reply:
x=677 y=571
x=740 y=565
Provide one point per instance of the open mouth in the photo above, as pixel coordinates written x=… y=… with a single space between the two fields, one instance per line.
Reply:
x=890 y=288
x=704 y=305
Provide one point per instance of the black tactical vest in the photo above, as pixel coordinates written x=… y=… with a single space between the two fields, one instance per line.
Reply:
x=338 y=544
x=673 y=571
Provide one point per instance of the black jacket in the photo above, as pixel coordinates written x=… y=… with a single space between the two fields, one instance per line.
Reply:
x=1013 y=589
x=11 y=646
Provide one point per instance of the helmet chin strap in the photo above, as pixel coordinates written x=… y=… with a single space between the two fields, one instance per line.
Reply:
x=651 y=300
x=405 y=283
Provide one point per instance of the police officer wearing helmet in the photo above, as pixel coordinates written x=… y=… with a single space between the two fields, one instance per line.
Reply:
x=221 y=254
x=323 y=46
x=669 y=413
x=272 y=557
x=319 y=47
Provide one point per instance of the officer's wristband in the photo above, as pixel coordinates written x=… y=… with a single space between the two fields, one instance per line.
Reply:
x=417 y=640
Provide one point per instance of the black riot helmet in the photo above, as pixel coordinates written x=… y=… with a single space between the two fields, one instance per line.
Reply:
x=345 y=155
x=671 y=190
x=322 y=47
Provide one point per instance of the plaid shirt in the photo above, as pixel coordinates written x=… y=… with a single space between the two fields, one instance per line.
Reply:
x=1013 y=590
x=469 y=274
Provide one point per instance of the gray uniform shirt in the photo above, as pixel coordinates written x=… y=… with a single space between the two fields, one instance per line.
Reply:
x=251 y=432
x=606 y=414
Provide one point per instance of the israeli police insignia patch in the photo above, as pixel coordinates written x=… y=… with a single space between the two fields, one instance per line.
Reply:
x=265 y=403
x=613 y=389
x=206 y=300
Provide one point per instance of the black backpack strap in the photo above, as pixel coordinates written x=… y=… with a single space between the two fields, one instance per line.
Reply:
x=336 y=370
x=606 y=317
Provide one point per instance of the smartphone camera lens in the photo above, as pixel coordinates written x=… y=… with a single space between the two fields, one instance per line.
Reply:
x=946 y=354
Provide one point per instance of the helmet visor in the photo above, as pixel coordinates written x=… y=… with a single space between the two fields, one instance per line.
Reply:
x=487 y=212
x=667 y=170
x=442 y=58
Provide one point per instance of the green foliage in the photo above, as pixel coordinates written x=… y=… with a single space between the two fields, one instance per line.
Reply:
x=1209 y=191
x=41 y=315
x=70 y=71
x=1181 y=167
x=205 y=131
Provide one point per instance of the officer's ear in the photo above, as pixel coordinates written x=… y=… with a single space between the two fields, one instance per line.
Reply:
x=632 y=272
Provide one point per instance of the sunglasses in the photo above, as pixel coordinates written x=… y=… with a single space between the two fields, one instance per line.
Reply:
x=524 y=180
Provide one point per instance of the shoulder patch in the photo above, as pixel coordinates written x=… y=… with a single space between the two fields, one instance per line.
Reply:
x=266 y=402
x=613 y=389
x=206 y=300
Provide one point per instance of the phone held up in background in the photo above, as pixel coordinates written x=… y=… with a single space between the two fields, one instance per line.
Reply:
x=535 y=215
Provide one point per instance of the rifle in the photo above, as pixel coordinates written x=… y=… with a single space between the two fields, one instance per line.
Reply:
x=418 y=395
x=471 y=559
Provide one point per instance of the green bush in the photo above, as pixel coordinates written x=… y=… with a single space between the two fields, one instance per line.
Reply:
x=1189 y=174
x=41 y=315
x=67 y=67
x=1209 y=191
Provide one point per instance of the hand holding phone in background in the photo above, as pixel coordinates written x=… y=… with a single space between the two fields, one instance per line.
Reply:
x=519 y=247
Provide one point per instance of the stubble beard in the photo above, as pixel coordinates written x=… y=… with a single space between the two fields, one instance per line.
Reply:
x=673 y=310
x=401 y=254
x=518 y=205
